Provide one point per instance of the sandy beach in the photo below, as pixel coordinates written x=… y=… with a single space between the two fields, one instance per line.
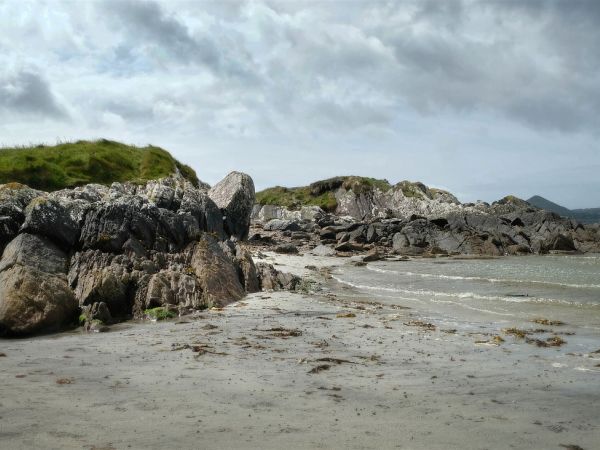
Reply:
x=292 y=370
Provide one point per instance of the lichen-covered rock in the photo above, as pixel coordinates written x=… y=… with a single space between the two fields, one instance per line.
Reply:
x=34 y=295
x=35 y=252
x=215 y=272
x=116 y=252
x=14 y=197
x=51 y=218
x=109 y=225
x=234 y=195
x=32 y=301
x=169 y=287
x=273 y=280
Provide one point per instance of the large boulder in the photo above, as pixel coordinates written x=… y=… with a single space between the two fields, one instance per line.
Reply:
x=51 y=218
x=235 y=195
x=34 y=252
x=216 y=273
x=34 y=294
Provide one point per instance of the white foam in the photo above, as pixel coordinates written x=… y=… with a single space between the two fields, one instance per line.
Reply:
x=484 y=279
x=462 y=295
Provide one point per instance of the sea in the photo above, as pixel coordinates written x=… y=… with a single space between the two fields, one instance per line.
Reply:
x=477 y=294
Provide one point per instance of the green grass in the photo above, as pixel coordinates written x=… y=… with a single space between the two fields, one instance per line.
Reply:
x=73 y=164
x=160 y=313
x=319 y=193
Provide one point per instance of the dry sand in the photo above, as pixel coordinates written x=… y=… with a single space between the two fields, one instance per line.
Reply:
x=287 y=370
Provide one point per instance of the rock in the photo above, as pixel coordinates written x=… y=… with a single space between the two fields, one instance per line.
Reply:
x=342 y=237
x=274 y=280
x=286 y=249
x=204 y=210
x=169 y=287
x=50 y=218
x=34 y=252
x=348 y=247
x=32 y=301
x=234 y=195
x=34 y=295
x=328 y=233
x=14 y=197
x=372 y=255
x=216 y=273
x=96 y=312
x=322 y=250
x=281 y=225
x=300 y=236
x=555 y=242
x=109 y=225
x=265 y=213
x=247 y=270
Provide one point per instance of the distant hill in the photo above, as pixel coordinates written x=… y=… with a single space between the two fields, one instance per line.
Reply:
x=55 y=167
x=546 y=204
x=585 y=215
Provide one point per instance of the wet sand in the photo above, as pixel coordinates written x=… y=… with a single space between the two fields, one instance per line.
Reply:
x=290 y=370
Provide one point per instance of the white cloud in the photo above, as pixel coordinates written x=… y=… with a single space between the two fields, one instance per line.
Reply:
x=446 y=92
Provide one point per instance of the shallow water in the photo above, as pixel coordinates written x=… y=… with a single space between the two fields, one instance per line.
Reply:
x=472 y=292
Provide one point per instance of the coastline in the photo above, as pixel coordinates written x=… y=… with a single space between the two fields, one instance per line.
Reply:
x=253 y=375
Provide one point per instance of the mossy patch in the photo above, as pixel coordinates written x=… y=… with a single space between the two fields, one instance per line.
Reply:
x=73 y=164
x=160 y=313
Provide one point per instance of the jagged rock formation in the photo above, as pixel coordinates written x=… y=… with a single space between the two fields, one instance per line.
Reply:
x=412 y=219
x=115 y=252
x=234 y=195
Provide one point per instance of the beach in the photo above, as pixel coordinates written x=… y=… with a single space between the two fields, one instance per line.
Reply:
x=330 y=367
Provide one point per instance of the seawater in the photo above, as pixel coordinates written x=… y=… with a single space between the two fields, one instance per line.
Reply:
x=481 y=291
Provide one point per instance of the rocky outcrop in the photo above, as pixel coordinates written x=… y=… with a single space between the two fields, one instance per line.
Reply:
x=111 y=253
x=412 y=219
x=234 y=195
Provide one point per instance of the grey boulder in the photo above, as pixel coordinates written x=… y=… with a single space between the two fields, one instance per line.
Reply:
x=234 y=195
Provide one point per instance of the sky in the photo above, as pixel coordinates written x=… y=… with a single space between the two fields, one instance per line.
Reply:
x=483 y=98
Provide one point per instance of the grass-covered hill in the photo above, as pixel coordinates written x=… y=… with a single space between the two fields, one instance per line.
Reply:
x=73 y=164
x=319 y=193
x=322 y=193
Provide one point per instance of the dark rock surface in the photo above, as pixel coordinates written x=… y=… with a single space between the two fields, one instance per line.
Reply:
x=411 y=219
x=111 y=253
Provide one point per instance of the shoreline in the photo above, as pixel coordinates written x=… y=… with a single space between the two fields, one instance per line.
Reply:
x=254 y=375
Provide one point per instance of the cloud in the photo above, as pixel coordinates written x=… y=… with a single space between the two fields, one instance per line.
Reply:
x=28 y=93
x=404 y=89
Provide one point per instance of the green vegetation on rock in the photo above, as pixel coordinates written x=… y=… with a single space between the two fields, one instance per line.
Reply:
x=160 y=313
x=73 y=164
x=320 y=193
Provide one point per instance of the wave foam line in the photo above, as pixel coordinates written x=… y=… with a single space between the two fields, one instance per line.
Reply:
x=465 y=295
x=490 y=280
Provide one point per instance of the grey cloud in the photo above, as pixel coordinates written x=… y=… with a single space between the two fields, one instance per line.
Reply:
x=29 y=93
x=149 y=21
